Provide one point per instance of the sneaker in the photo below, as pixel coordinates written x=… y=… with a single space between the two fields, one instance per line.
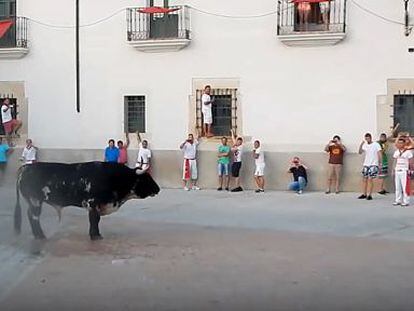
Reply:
x=300 y=191
x=396 y=203
x=227 y=189
x=195 y=188
x=369 y=198
x=328 y=191
x=362 y=196
x=383 y=192
x=257 y=191
x=261 y=190
x=219 y=189
x=186 y=188
x=238 y=189
x=404 y=205
x=337 y=192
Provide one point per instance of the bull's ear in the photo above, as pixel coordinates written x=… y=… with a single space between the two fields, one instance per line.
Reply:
x=139 y=171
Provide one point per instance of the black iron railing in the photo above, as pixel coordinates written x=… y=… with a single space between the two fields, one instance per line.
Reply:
x=16 y=36
x=294 y=18
x=159 y=26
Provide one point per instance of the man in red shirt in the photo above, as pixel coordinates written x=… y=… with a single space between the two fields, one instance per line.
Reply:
x=336 y=151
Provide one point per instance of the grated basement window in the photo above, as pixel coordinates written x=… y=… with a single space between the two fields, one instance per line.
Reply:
x=13 y=101
x=224 y=111
x=404 y=113
x=134 y=114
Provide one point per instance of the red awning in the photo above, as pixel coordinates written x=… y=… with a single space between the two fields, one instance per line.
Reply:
x=157 y=9
x=4 y=26
x=310 y=1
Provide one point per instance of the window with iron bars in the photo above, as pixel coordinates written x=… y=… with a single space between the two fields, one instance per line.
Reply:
x=13 y=102
x=134 y=114
x=404 y=112
x=224 y=111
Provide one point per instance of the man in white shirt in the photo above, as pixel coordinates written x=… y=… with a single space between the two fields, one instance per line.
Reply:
x=206 y=109
x=403 y=162
x=29 y=155
x=190 y=174
x=144 y=155
x=371 y=166
x=10 y=125
x=259 y=160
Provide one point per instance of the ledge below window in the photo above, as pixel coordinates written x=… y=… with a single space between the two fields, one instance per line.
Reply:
x=13 y=53
x=157 y=46
x=312 y=39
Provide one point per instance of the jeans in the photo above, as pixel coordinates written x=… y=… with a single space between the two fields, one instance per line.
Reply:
x=298 y=185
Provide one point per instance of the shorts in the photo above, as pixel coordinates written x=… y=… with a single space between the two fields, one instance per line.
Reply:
x=9 y=126
x=190 y=169
x=207 y=117
x=383 y=173
x=235 y=169
x=370 y=171
x=223 y=169
x=259 y=171
x=324 y=7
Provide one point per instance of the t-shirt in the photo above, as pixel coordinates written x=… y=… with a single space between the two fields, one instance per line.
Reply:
x=204 y=99
x=111 y=154
x=238 y=152
x=297 y=172
x=384 y=148
x=6 y=116
x=123 y=155
x=144 y=155
x=29 y=155
x=371 y=153
x=3 y=153
x=190 y=150
x=336 y=154
x=260 y=159
x=224 y=149
x=403 y=160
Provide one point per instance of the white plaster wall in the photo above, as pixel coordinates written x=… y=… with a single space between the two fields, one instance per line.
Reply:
x=294 y=99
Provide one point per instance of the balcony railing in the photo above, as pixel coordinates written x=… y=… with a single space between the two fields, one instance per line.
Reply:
x=16 y=36
x=311 y=20
x=159 y=26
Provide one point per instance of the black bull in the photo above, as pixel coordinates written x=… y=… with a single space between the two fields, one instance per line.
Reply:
x=97 y=186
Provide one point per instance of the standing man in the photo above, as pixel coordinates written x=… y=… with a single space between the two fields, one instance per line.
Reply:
x=336 y=151
x=190 y=174
x=123 y=150
x=206 y=108
x=259 y=160
x=300 y=177
x=223 y=164
x=237 y=150
x=29 y=155
x=403 y=161
x=111 y=152
x=5 y=150
x=10 y=125
x=383 y=174
x=372 y=165
x=144 y=155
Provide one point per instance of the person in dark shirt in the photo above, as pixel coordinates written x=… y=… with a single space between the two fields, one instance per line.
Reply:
x=300 y=177
x=336 y=151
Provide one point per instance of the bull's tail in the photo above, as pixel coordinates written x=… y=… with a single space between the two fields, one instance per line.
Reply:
x=18 y=208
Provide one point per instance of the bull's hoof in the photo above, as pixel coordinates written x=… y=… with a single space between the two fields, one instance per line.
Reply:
x=96 y=237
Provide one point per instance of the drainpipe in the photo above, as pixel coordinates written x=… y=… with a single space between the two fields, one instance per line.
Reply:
x=77 y=61
x=407 y=19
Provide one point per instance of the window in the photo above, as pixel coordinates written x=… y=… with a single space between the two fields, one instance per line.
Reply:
x=224 y=111
x=404 y=112
x=134 y=114
x=13 y=102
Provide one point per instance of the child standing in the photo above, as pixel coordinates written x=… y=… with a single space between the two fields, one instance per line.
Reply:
x=403 y=161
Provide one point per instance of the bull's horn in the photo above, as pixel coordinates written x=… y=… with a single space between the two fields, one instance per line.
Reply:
x=140 y=171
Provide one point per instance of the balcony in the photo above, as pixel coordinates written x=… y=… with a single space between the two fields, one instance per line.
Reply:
x=313 y=23
x=14 y=43
x=159 y=32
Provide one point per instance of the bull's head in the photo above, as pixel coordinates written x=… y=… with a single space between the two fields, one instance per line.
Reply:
x=145 y=185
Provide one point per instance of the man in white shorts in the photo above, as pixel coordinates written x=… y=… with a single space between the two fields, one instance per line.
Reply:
x=206 y=109
x=190 y=174
x=403 y=161
x=259 y=160
x=371 y=166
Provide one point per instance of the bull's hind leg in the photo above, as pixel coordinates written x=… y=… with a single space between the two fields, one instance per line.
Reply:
x=94 y=219
x=33 y=213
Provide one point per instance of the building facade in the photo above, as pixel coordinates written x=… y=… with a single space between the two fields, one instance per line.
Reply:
x=289 y=80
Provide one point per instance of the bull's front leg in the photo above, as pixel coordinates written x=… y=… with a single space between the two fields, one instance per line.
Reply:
x=94 y=219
